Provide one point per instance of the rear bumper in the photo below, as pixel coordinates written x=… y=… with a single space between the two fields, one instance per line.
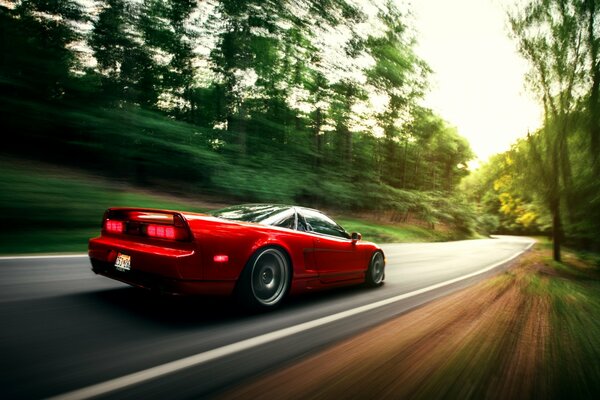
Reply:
x=162 y=284
x=166 y=270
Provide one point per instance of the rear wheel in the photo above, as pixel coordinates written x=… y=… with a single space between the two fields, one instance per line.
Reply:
x=265 y=280
x=376 y=270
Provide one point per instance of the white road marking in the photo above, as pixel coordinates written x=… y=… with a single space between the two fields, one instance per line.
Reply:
x=204 y=357
x=47 y=256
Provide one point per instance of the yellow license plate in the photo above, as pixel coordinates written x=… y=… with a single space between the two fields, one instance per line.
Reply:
x=123 y=262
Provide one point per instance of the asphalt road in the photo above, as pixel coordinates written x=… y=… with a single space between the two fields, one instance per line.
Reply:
x=66 y=331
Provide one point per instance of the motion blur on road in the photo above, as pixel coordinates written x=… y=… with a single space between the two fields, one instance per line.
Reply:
x=345 y=106
x=65 y=329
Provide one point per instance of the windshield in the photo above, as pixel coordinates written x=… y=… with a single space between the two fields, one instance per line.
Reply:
x=266 y=214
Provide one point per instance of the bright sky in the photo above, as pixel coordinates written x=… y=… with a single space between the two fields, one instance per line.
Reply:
x=478 y=80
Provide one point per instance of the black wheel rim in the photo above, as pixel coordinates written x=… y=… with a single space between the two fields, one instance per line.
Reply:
x=377 y=268
x=269 y=277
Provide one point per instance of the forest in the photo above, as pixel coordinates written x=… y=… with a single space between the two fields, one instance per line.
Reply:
x=549 y=181
x=317 y=102
x=289 y=101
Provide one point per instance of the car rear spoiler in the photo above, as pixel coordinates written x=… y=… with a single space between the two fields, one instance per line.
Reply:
x=149 y=222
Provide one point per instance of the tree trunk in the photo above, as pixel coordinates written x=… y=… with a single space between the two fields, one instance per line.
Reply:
x=594 y=103
x=348 y=149
x=379 y=161
x=404 y=164
x=416 y=181
x=556 y=229
x=567 y=176
x=555 y=192
x=317 y=138
x=449 y=181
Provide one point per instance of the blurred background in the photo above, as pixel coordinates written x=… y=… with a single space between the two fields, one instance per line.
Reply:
x=187 y=104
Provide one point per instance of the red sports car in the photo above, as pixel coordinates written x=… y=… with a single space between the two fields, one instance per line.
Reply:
x=258 y=252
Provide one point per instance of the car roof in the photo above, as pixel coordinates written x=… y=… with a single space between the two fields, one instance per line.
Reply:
x=255 y=212
x=252 y=212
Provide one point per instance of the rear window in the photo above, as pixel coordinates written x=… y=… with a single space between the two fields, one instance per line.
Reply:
x=259 y=213
x=320 y=223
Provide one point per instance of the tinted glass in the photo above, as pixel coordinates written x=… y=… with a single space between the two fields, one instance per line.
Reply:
x=321 y=223
x=287 y=222
x=261 y=213
x=301 y=223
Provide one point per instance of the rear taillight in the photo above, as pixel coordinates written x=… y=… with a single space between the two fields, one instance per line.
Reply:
x=160 y=231
x=150 y=223
x=169 y=232
x=114 y=226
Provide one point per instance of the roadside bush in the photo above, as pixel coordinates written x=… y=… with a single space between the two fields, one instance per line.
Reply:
x=487 y=224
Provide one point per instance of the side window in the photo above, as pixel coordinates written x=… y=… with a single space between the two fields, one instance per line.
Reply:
x=289 y=222
x=320 y=223
x=302 y=223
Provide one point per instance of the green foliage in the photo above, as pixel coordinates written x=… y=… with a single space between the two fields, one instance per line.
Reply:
x=59 y=209
x=388 y=233
x=246 y=99
x=488 y=224
x=556 y=168
x=574 y=302
x=502 y=191
x=50 y=210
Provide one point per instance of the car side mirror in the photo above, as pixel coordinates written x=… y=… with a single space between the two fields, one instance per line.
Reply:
x=355 y=236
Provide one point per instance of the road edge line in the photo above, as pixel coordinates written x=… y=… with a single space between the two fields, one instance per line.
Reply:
x=135 y=378
x=32 y=257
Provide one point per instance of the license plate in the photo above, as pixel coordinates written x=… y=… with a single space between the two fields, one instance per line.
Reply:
x=123 y=262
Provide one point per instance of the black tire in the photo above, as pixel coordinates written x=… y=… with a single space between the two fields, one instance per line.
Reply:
x=376 y=271
x=265 y=281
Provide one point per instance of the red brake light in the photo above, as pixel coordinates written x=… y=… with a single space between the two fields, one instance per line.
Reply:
x=146 y=222
x=161 y=231
x=114 y=226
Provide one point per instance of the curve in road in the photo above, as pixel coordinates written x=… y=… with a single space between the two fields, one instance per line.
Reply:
x=135 y=345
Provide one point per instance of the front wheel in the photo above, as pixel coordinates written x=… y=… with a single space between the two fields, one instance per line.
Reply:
x=376 y=270
x=265 y=280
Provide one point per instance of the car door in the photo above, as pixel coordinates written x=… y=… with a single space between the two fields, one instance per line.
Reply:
x=337 y=258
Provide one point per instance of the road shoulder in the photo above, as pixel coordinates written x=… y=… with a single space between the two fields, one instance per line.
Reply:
x=497 y=339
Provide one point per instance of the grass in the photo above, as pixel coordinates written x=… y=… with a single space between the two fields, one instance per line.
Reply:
x=543 y=341
x=47 y=209
x=389 y=233
x=54 y=210
x=574 y=346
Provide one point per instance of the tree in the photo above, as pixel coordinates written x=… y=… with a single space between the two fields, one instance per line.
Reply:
x=39 y=31
x=125 y=63
x=232 y=60
x=400 y=75
x=549 y=37
x=590 y=10
x=165 y=29
x=263 y=100
x=38 y=58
